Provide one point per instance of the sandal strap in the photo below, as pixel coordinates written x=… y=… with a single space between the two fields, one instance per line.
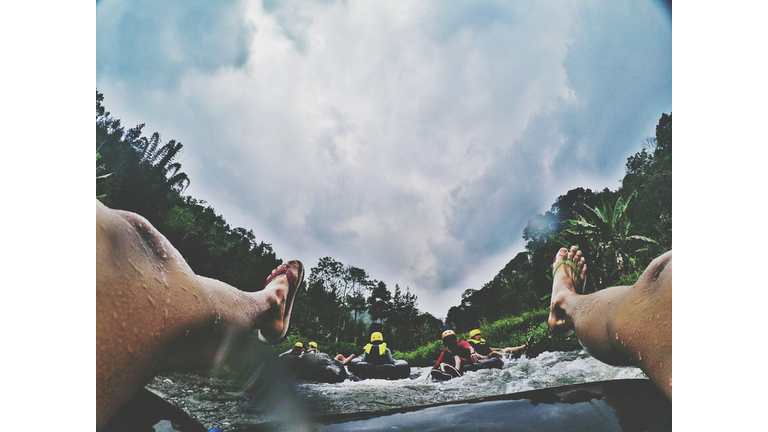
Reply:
x=575 y=271
x=283 y=271
x=570 y=264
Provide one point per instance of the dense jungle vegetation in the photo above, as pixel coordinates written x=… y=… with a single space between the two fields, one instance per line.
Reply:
x=619 y=231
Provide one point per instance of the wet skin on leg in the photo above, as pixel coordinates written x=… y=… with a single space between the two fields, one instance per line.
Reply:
x=153 y=314
x=620 y=325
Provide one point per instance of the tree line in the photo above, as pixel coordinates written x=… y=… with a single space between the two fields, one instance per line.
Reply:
x=343 y=305
x=619 y=231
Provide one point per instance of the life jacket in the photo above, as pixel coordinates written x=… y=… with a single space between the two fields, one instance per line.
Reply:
x=480 y=346
x=382 y=348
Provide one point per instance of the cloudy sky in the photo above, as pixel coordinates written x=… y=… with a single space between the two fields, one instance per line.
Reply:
x=412 y=139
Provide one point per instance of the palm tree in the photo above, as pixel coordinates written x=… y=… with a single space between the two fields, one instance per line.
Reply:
x=161 y=158
x=606 y=230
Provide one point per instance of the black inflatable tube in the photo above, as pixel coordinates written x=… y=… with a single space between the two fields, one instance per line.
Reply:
x=365 y=370
x=491 y=363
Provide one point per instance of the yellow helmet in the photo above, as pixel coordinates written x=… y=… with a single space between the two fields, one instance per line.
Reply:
x=313 y=344
x=448 y=333
x=299 y=344
x=474 y=332
x=376 y=336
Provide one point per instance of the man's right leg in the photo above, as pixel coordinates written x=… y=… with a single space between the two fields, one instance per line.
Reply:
x=619 y=325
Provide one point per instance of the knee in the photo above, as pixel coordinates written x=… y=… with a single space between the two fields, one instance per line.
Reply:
x=129 y=233
x=659 y=268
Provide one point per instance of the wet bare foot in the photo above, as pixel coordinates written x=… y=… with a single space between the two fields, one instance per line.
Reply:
x=281 y=289
x=564 y=283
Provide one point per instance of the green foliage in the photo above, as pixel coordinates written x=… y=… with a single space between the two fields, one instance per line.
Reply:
x=213 y=249
x=425 y=355
x=630 y=279
x=514 y=331
x=335 y=310
x=649 y=172
x=379 y=305
x=100 y=168
x=506 y=332
x=603 y=233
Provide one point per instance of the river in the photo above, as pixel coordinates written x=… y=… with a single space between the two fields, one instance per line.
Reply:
x=221 y=403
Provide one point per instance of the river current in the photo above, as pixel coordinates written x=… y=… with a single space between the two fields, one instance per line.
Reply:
x=230 y=406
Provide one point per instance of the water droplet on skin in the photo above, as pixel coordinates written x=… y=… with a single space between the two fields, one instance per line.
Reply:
x=639 y=357
x=114 y=315
x=196 y=297
x=135 y=267
x=130 y=350
x=617 y=336
x=151 y=300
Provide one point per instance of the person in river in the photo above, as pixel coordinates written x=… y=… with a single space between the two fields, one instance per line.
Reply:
x=624 y=325
x=485 y=351
x=376 y=352
x=311 y=348
x=297 y=350
x=456 y=352
x=155 y=315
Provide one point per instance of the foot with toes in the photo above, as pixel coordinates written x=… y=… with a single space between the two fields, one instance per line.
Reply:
x=569 y=270
x=284 y=282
